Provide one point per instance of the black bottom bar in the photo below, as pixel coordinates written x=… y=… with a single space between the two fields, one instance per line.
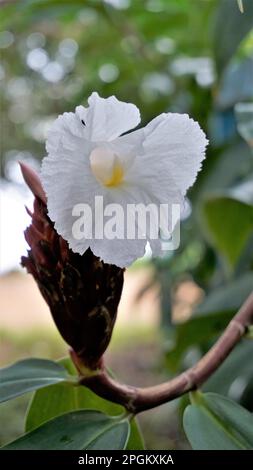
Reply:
x=112 y=459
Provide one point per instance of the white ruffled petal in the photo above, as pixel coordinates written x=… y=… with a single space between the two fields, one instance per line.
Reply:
x=67 y=180
x=177 y=143
x=155 y=165
x=108 y=118
x=120 y=251
x=169 y=152
x=64 y=132
x=81 y=113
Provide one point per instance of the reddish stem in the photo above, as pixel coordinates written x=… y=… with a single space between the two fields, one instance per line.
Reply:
x=136 y=399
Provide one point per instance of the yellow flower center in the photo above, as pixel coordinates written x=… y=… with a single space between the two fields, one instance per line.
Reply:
x=116 y=177
x=106 y=167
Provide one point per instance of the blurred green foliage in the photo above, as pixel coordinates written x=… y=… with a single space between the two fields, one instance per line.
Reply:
x=147 y=52
x=193 y=56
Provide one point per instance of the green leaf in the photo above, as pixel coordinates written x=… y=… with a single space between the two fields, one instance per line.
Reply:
x=196 y=331
x=237 y=366
x=217 y=423
x=229 y=34
x=228 y=298
x=29 y=374
x=85 y=429
x=61 y=398
x=210 y=318
x=228 y=222
x=135 y=441
x=223 y=170
x=236 y=83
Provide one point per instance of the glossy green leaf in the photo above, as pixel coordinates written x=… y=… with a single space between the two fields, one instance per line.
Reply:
x=228 y=221
x=223 y=171
x=229 y=34
x=58 y=399
x=135 y=441
x=217 y=423
x=228 y=298
x=29 y=374
x=85 y=429
x=196 y=331
x=236 y=367
x=232 y=88
x=210 y=318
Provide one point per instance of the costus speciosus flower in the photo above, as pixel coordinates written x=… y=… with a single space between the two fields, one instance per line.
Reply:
x=82 y=292
x=90 y=155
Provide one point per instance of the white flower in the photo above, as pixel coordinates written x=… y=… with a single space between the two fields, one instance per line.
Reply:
x=88 y=156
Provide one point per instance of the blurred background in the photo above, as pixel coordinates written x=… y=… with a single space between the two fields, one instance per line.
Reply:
x=186 y=56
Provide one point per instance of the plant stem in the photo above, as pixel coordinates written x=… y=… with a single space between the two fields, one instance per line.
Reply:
x=136 y=399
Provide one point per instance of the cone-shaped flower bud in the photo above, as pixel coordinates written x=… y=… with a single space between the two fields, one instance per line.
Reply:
x=82 y=292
